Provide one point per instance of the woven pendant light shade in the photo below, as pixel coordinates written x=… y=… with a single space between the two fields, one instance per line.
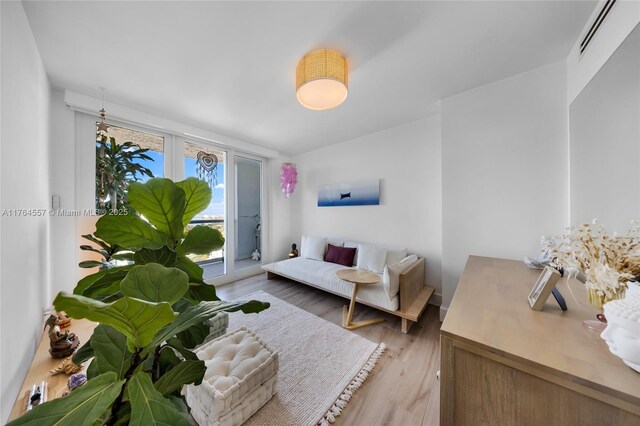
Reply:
x=321 y=79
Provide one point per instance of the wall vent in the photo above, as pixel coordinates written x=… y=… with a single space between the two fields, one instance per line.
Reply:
x=596 y=25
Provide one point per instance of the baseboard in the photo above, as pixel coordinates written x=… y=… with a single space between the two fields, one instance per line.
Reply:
x=443 y=312
x=436 y=299
x=238 y=275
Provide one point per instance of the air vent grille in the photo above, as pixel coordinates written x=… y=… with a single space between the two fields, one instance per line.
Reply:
x=596 y=25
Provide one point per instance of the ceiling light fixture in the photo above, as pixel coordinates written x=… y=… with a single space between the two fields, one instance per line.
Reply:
x=321 y=79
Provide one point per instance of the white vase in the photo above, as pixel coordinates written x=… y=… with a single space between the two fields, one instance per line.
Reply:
x=633 y=288
x=623 y=329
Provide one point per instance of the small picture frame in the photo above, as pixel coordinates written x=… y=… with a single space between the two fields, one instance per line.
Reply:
x=543 y=287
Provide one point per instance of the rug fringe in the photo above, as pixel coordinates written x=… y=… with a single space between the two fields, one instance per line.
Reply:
x=345 y=396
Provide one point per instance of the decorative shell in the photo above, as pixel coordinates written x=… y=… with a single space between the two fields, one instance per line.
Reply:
x=67 y=367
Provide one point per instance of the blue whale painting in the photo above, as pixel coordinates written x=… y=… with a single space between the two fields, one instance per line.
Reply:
x=350 y=194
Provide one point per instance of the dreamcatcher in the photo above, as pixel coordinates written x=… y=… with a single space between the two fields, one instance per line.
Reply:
x=206 y=167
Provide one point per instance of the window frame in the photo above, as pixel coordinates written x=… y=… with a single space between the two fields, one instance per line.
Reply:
x=173 y=167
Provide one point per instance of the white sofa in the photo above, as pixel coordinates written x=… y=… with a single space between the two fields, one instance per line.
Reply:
x=401 y=289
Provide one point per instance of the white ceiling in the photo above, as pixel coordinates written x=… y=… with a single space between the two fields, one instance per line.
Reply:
x=230 y=66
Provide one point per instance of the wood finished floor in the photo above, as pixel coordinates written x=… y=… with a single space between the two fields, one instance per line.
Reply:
x=403 y=389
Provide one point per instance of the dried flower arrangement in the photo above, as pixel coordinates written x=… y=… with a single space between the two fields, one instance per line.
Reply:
x=608 y=261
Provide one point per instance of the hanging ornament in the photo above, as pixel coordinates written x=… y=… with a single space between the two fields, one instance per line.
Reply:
x=102 y=125
x=206 y=167
x=103 y=128
x=288 y=178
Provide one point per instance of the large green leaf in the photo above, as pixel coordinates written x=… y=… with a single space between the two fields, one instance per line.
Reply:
x=93 y=370
x=129 y=231
x=176 y=344
x=126 y=256
x=108 y=284
x=90 y=264
x=93 y=239
x=167 y=359
x=155 y=283
x=202 y=293
x=194 y=335
x=197 y=198
x=84 y=353
x=101 y=277
x=192 y=269
x=110 y=348
x=137 y=319
x=184 y=373
x=163 y=256
x=149 y=407
x=180 y=403
x=162 y=202
x=201 y=240
x=83 y=406
x=197 y=314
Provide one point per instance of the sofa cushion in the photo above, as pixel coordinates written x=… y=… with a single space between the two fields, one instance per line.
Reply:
x=353 y=244
x=371 y=258
x=395 y=255
x=340 y=255
x=323 y=275
x=313 y=247
x=335 y=242
x=391 y=274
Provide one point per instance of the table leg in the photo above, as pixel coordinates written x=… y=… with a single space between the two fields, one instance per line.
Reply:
x=347 y=316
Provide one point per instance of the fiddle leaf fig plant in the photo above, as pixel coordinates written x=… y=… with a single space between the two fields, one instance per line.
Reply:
x=167 y=207
x=151 y=313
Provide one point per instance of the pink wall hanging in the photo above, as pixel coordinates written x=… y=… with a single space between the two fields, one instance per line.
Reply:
x=288 y=178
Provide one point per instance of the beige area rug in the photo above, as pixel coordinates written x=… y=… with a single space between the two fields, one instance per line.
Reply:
x=321 y=364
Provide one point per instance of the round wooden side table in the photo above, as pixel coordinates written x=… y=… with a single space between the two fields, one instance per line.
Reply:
x=356 y=277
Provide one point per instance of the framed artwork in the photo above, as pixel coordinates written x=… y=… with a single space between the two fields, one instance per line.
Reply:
x=350 y=194
x=543 y=288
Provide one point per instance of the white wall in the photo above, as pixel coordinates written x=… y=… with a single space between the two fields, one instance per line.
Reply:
x=406 y=159
x=279 y=235
x=504 y=174
x=63 y=184
x=605 y=142
x=581 y=68
x=24 y=182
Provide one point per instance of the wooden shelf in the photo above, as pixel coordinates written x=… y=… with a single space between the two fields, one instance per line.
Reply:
x=41 y=365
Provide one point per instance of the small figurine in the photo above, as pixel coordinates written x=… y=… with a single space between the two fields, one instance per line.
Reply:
x=255 y=255
x=65 y=321
x=37 y=395
x=61 y=344
x=67 y=367
x=294 y=251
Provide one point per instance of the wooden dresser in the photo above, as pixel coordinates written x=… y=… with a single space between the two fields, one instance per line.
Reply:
x=503 y=363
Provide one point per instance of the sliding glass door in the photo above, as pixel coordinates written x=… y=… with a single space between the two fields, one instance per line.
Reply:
x=208 y=164
x=236 y=181
x=248 y=203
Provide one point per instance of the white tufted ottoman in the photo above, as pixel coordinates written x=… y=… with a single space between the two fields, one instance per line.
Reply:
x=241 y=377
x=217 y=326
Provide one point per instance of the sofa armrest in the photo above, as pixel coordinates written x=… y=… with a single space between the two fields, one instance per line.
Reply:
x=411 y=283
